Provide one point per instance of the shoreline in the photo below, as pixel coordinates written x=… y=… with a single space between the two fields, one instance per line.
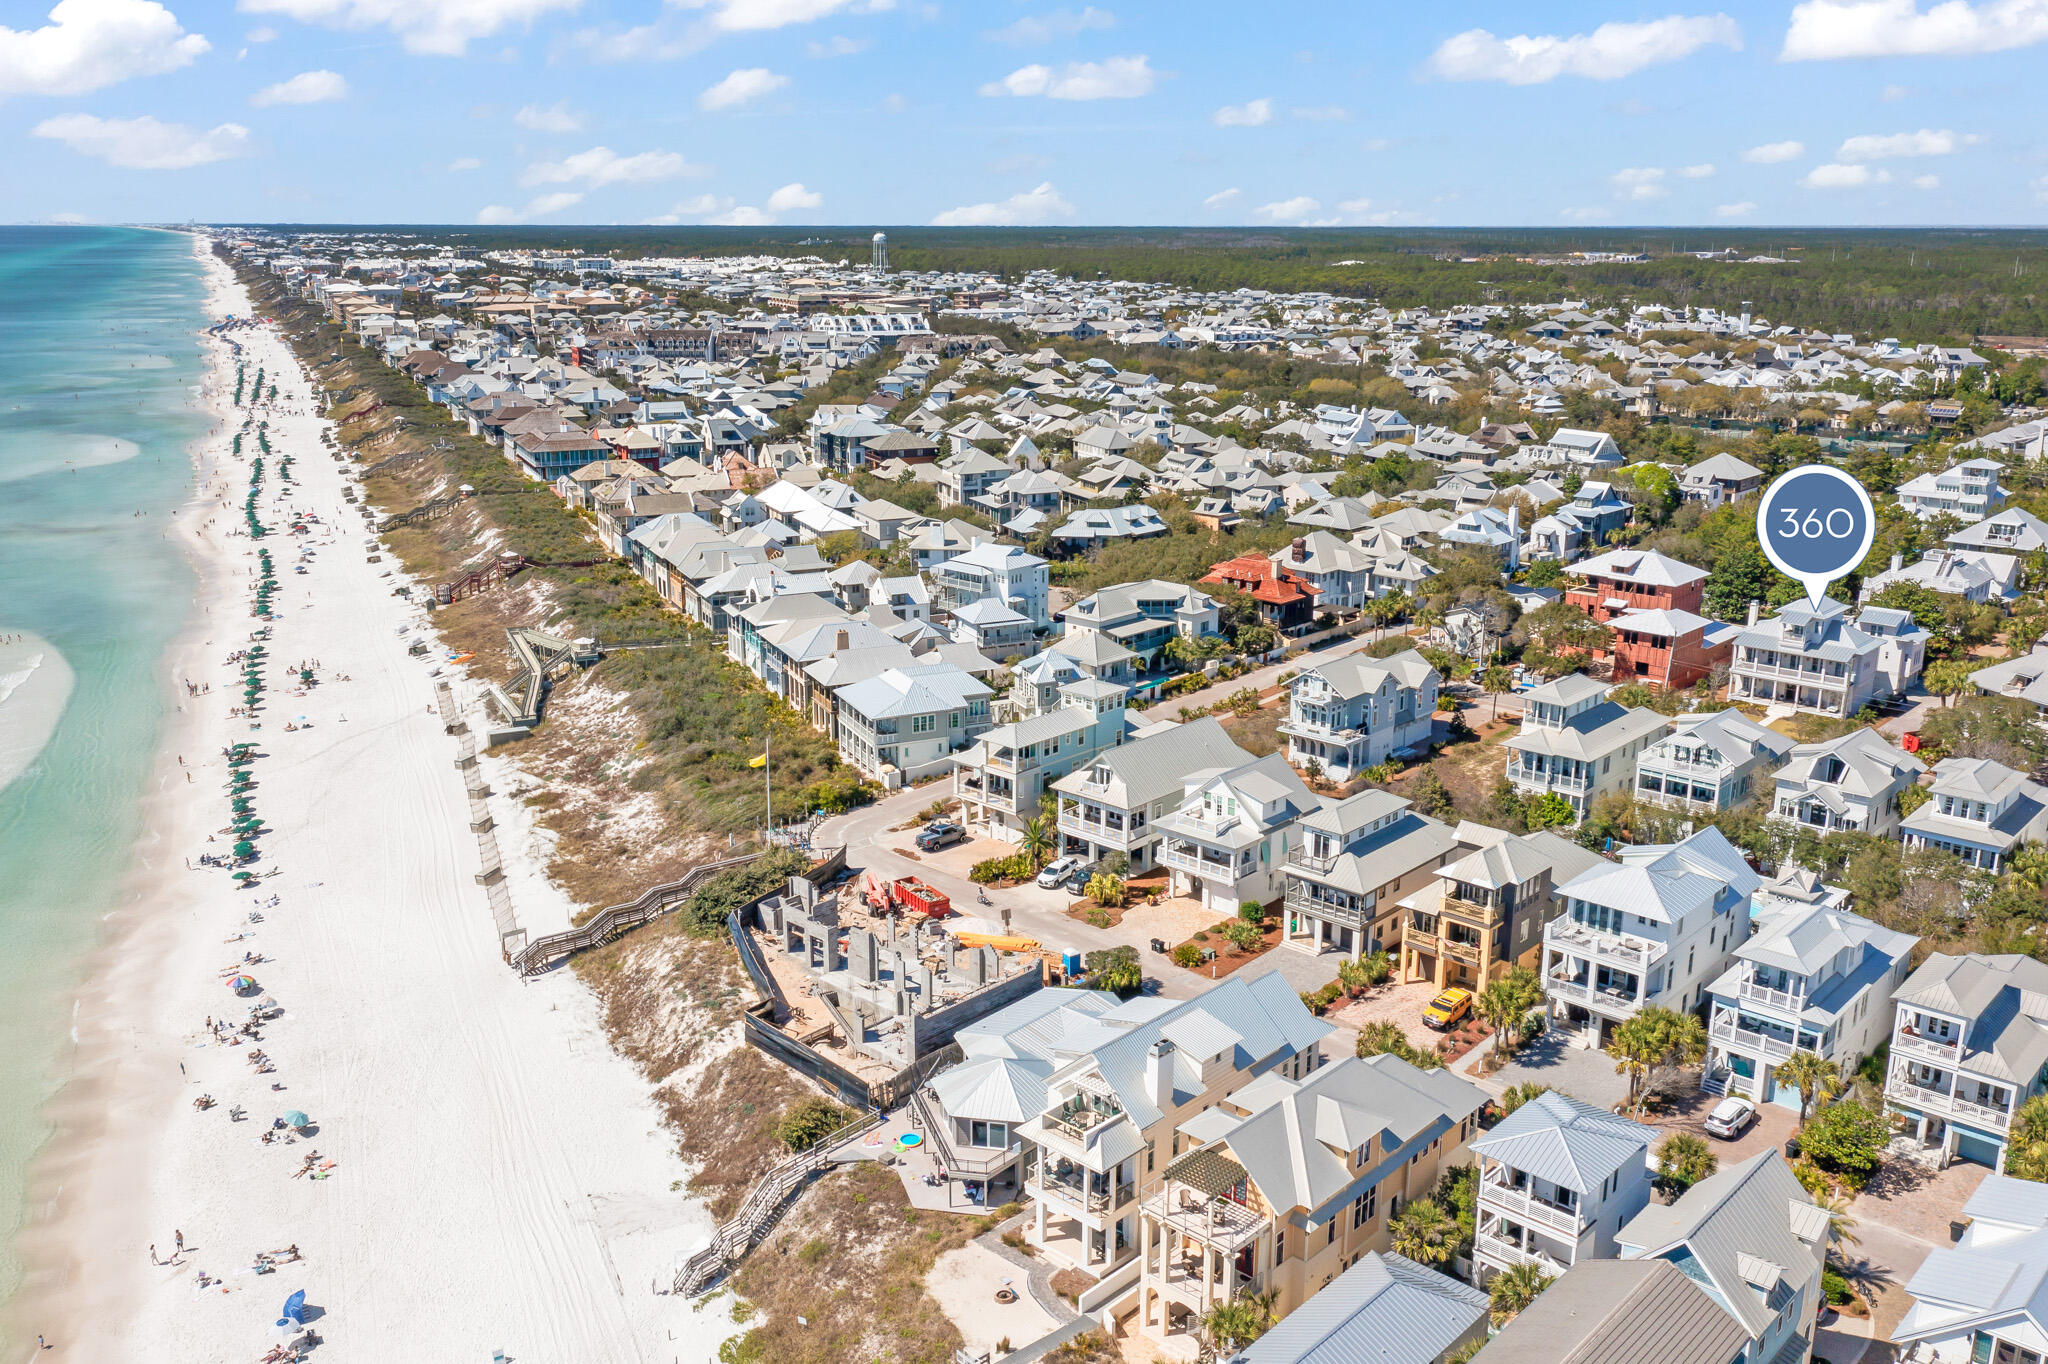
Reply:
x=90 y=1140
x=491 y=1149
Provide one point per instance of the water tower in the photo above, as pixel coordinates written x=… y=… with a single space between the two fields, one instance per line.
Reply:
x=881 y=260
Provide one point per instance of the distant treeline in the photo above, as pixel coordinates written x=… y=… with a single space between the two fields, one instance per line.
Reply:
x=1918 y=284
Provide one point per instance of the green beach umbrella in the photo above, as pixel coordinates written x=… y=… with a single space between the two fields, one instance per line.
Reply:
x=245 y=876
x=244 y=848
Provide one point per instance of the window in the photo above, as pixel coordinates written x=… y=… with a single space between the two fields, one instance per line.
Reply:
x=923 y=724
x=1364 y=1207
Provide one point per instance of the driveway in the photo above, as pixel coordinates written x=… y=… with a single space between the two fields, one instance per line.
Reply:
x=1554 y=1058
x=1688 y=1113
x=1268 y=676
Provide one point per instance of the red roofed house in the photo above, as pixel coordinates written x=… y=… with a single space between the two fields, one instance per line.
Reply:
x=1651 y=602
x=1287 y=602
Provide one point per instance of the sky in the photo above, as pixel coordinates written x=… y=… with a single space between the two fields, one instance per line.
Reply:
x=1023 y=112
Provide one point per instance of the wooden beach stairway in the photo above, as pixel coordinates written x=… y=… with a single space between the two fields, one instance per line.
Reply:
x=764 y=1205
x=539 y=653
x=490 y=862
x=607 y=924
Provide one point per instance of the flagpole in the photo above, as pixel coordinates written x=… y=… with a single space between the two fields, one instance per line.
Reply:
x=768 y=789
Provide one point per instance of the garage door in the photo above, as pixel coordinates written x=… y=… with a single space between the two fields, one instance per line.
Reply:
x=1978 y=1150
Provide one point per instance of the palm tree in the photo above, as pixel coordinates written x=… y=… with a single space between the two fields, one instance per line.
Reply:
x=1841 y=1226
x=1037 y=840
x=1496 y=680
x=1810 y=1074
x=1517 y=1095
x=1683 y=1160
x=1237 y=1323
x=1515 y=1288
x=1425 y=1233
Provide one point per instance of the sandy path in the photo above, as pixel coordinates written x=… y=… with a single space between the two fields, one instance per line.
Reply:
x=501 y=1180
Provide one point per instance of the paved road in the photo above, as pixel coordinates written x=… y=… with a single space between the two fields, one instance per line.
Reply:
x=1270 y=674
x=1035 y=913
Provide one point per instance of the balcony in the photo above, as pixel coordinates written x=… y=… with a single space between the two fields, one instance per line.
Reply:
x=1080 y=1116
x=1524 y=1206
x=1547 y=780
x=1906 y=1042
x=1467 y=952
x=1199 y=861
x=1320 y=733
x=1311 y=863
x=1215 y=1222
x=1835 y=677
x=1636 y=953
x=1785 y=1001
x=1753 y=1043
x=1508 y=1253
x=1301 y=902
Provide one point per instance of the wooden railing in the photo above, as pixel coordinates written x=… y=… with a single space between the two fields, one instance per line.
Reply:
x=763 y=1205
x=607 y=924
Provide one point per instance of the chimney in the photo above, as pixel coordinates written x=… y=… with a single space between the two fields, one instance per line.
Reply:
x=1752 y=612
x=1159 y=1074
x=842 y=642
x=1897 y=560
x=1300 y=548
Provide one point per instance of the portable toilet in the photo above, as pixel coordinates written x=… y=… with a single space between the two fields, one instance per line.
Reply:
x=1070 y=964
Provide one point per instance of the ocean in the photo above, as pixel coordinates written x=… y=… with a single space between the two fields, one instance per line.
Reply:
x=99 y=363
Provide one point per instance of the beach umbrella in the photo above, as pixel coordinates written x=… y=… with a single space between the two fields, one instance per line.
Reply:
x=245 y=876
x=240 y=805
x=296 y=1119
x=240 y=983
x=244 y=848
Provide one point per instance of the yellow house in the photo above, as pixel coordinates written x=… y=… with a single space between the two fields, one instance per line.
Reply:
x=1483 y=915
x=1289 y=1182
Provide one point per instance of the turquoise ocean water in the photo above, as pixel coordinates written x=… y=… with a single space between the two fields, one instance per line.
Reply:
x=98 y=365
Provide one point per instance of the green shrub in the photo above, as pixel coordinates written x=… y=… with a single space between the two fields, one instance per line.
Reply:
x=1187 y=955
x=1016 y=867
x=704 y=912
x=810 y=1121
x=1836 y=1287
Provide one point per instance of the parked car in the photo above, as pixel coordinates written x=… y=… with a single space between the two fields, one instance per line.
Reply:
x=1730 y=1118
x=940 y=835
x=1057 y=872
x=1448 y=1009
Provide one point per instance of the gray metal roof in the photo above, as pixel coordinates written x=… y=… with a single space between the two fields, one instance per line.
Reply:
x=1726 y=1225
x=1620 y=1312
x=1386 y=1309
x=1571 y=1144
x=1149 y=769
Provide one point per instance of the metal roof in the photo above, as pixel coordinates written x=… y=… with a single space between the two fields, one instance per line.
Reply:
x=1571 y=1144
x=1386 y=1309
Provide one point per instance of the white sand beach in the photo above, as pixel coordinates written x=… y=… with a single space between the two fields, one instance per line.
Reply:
x=498 y=1176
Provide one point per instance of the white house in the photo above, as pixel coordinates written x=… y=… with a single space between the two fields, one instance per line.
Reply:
x=1852 y=782
x=1815 y=658
x=1114 y=803
x=1655 y=928
x=1821 y=981
x=1980 y=811
x=1969 y=1046
x=1232 y=833
x=1985 y=1300
x=1356 y=712
x=1576 y=742
x=1558 y=1178
x=1968 y=491
x=1709 y=761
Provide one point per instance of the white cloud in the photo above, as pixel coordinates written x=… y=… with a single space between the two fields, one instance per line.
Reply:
x=308 y=87
x=1039 y=205
x=1886 y=146
x=601 y=166
x=265 y=34
x=1640 y=182
x=747 y=83
x=1825 y=30
x=1587 y=214
x=554 y=118
x=1255 y=113
x=1770 y=153
x=753 y=16
x=792 y=197
x=839 y=45
x=1325 y=113
x=464 y=163
x=1741 y=210
x=2040 y=188
x=145 y=143
x=1607 y=53
x=1111 y=78
x=1289 y=210
x=1926 y=182
x=1892 y=94
x=1222 y=197
x=1835 y=175
x=88 y=45
x=538 y=207
x=894 y=103
x=1699 y=172
x=1044 y=28
x=440 y=28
